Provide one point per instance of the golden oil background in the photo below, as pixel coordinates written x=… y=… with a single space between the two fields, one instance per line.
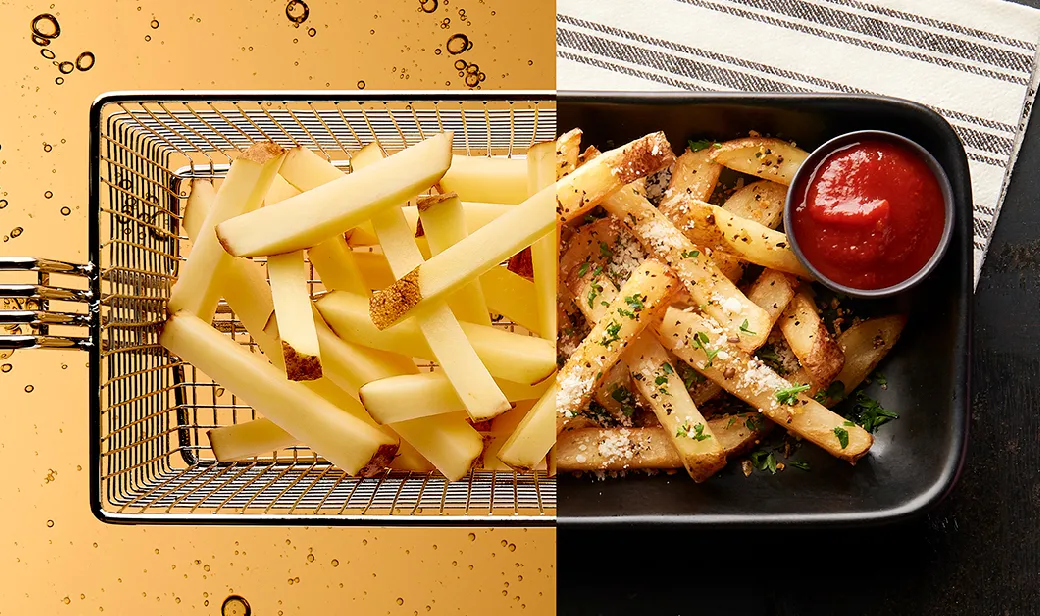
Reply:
x=56 y=557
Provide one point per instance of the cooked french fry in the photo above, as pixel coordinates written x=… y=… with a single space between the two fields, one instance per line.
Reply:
x=703 y=280
x=502 y=427
x=405 y=397
x=762 y=202
x=341 y=438
x=767 y=158
x=534 y=436
x=566 y=153
x=606 y=174
x=758 y=243
x=694 y=176
x=513 y=357
x=541 y=172
x=643 y=295
x=865 y=345
x=444 y=224
x=512 y=296
x=655 y=377
x=773 y=291
x=244 y=287
x=197 y=288
x=696 y=220
x=447 y=272
x=812 y=344
x=614 y=392
x=703 y=345
x=292 y=306
x=447 y=441
x=487 y=179
x=330 y=209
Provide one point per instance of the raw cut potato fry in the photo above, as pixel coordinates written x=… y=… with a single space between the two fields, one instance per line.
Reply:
x=465 y=261
x=758 y=244
x=245 y=440
x=541 y=172
x=761 y=202
x=694 y=176
x=337 y=266
x=330 y=209
x=502 y=427
x=477 y=215
x=351 y=366
x=568 y=147
x=812 y=344
x=773 y=291
x=197 y=288
x=643 y=294
x=705 y=283
x=447 y=441
x=292 y=306
x=691 y=436
x=245 y=286
x=767 y=158
x=606 y=174
x=513 y=357
x=755 y=383
x=444 y=224
x=409 y=459
x=341 y=438
x=487 y=179
x=865 y=345
x=528 y=445
x=405 y=397
x=280 y=190
x=512 y=296
x=375 y=271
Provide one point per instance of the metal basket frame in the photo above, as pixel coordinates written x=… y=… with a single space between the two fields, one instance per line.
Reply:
x=148 y=462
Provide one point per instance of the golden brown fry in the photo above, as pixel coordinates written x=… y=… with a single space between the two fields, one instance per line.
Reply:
x=773 y=291
x=767 y=158
x=694 y=175
x=865 y=345
x=568 y=148
x=762 y=202
x=812 y=344
x=758 y=244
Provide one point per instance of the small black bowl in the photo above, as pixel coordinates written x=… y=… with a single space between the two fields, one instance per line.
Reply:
x=810 y=166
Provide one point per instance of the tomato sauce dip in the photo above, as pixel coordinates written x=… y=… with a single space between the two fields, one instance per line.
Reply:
x=870 y=215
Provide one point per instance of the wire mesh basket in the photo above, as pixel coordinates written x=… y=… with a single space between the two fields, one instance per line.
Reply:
x=151 y=461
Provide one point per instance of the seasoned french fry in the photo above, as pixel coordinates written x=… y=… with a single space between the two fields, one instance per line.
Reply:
x=487 y=179
x=606 y=174
x=865 y=345
x=758 y=244
x=541 y=172
x=197 y=288
x=812 y=344
x=694 y=176
x=568 y=147
x=703 y=345
x=534 y=436
x=405 y=397
x=343 y=439
x=703 y=280
x=444 y=224
x=513 y=357
x=762 y=202
x=643 y=294
x=330 y=209
x=292 y=306
x=767 y=158
x=614 y=392
x=773 y=291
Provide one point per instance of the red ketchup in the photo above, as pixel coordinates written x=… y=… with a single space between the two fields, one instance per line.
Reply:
x=870 y=216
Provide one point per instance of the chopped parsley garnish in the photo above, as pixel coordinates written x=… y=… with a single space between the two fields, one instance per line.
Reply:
x=699 y=341
x=584 y=269
x=605 y=251
x=698 y=433
x=622 y=396
x=626 y=313
x=881 y=380
x=697 y=146
x=692 y=254
x=799 y=464
x=594 y=291
x=596 y=272
x=744 y=328
x=767 y=353
x=753 y=423
x=764 y=461
x=634 y=302
x=732 y=420
x=683 y=429
x=868 y=413
x=834 y=392
x=668 y=368
x=789 y=395
x=843 y=436
x=661 y=380
x=690 y=377
x=613 y=329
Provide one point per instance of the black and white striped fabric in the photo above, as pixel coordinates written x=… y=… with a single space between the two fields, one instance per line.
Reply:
x=972 y=61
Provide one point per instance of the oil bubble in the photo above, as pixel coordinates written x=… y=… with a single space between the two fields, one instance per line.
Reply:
x=59 y=80
x=400 y=601
x=3 y=203
x=154 y=24
x=235 y=605
x=85 y=61
x=460 y=64
x=15 y=233
x=428 y=6
x=47 y=147
x=472 y=537
x=481 y=76
x=66 y=67
x=48 y=195
x=335 y=562
x=47 y=53
x=530 y=62
x=50 y=523
x=45 y=26
x=39 y=40
x=361 y=85
x=297 y=11
x=6 y=368
x=311 y=32
x=472 y=80
x=148 y=37
x=458 y=43
x=473 y=68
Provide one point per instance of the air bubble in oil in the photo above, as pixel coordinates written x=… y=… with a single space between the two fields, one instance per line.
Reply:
x=458 y=43
x=85 y=61
x=297 y=11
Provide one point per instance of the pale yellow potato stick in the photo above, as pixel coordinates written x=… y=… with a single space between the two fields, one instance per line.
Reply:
x=706 y=284
x=502 y=427
x=245 y=440
x=702 y=344
x=292 y=306
x=199 y=278
x=199 y=202
x=607 y=173
x=341 y=438
x=767 y=158
x=534 y=436
x=646 y=292
x=447 y=441
x=400 y=398
x=487 y=179
x=444 y=224
x=541 y=172
x=478 y=214
x=512 y=296
x=510 y=356
x=280 y=189
x=330 y=209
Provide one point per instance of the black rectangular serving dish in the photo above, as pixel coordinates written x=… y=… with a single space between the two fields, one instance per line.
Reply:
x=916 y=459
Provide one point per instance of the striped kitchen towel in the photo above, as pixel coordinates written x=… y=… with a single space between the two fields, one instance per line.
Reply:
x=973 y=61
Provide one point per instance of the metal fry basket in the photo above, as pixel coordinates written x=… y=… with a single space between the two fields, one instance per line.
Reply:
x=149 y=412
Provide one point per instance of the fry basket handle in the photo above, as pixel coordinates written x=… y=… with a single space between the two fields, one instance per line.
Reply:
x=34 y=298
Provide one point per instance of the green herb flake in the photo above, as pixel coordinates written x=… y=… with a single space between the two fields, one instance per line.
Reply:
x=613 y=331
x=834 y=393
x=843 y=437
x=692 y=254
x=698 y=433
x=799 y=464
x=584 y=269
x=869 y=413
x=697 y=146
x=764 y=461
x=744 y=328
x=789 y=395
x=668 y=368
x=605 y=251
x=634 y=302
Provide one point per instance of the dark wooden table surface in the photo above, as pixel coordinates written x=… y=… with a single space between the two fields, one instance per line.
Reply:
x=977 y=553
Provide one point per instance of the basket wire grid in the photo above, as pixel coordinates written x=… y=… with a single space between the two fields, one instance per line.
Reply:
x=153 y=461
